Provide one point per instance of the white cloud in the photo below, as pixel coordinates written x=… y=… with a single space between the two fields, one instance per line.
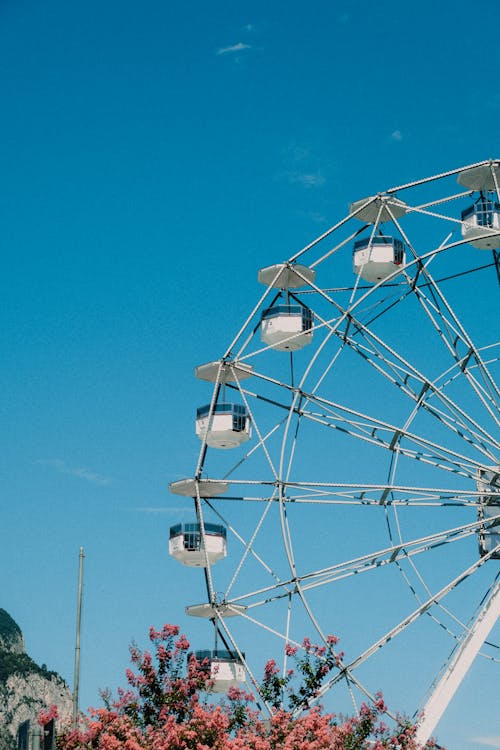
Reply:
x=298 y=154
x=307 y=179
x=80 y=472
x=249 y=27
x=397 y=135
x=233 y=48
x=488 y=741
x=301 y=167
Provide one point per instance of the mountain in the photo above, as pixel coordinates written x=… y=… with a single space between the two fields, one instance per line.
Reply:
x=25 y=687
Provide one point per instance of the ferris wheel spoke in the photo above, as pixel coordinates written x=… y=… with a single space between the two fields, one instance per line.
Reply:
x=381 y=494
x=262 y=438
x=249 y=548
x=321 y=237
x=253 y=450
x=204 y=447
x=368 y=562
x=412 y=563
x=372 y=430
x=384 y=435
x=287 y=634
x=292 y=449
x=285 y=637
x=250 y=318
x=456 y=332
x=222 y=624
x=208 y=570
x=485 y=391
x=446 y=611
x=423 y=209
x=401 y=374
x=453 y=333
x=390 y=555
x=342 y=669
x=344 y=672
x=299 y=404
x=441 y=607
x=407 y=621
x=427 y=591
x=339 y=246
x=436 y=177
x=285 y=532
x=339 y=493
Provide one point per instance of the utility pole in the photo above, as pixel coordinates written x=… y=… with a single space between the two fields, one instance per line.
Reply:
x=76 y=683
x=36 y=735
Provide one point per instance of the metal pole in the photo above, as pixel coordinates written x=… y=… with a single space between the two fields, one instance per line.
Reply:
x=35 y=738
x=76 y=684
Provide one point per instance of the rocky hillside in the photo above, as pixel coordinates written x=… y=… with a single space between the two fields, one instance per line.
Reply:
x=25 y=688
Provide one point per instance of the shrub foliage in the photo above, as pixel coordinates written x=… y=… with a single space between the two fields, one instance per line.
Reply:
x=167 y=705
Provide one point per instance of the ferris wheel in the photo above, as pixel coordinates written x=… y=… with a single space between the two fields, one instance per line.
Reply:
x=348 y=478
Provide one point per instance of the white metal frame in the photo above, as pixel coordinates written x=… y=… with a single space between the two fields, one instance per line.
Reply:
x=348 y=320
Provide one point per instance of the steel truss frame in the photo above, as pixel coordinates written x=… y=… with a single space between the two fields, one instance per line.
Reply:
x=349 y=321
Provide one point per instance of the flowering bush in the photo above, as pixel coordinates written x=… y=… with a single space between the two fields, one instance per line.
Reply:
x=310 y=668
x=166 y=706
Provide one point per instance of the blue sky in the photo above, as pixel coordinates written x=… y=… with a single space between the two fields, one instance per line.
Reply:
x=153 y=158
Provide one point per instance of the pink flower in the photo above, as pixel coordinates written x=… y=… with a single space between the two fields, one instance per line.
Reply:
x=154 y=635
x=167 y=708
x=270 y=669
x=379 y=703
x=237 y=694
x=130 y=676
x=46 y=715
x=169 y=630
x=182 y=643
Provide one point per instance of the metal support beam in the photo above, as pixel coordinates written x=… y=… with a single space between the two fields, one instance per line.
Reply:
x=459 y=665
x=36 y=735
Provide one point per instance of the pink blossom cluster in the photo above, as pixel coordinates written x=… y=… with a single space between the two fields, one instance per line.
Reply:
x=165 y=707
x=47 y=714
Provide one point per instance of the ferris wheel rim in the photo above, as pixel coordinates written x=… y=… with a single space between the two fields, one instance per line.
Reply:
x=237 y=365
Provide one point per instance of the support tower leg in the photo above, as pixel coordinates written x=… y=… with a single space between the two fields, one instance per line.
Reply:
x=459 y=665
